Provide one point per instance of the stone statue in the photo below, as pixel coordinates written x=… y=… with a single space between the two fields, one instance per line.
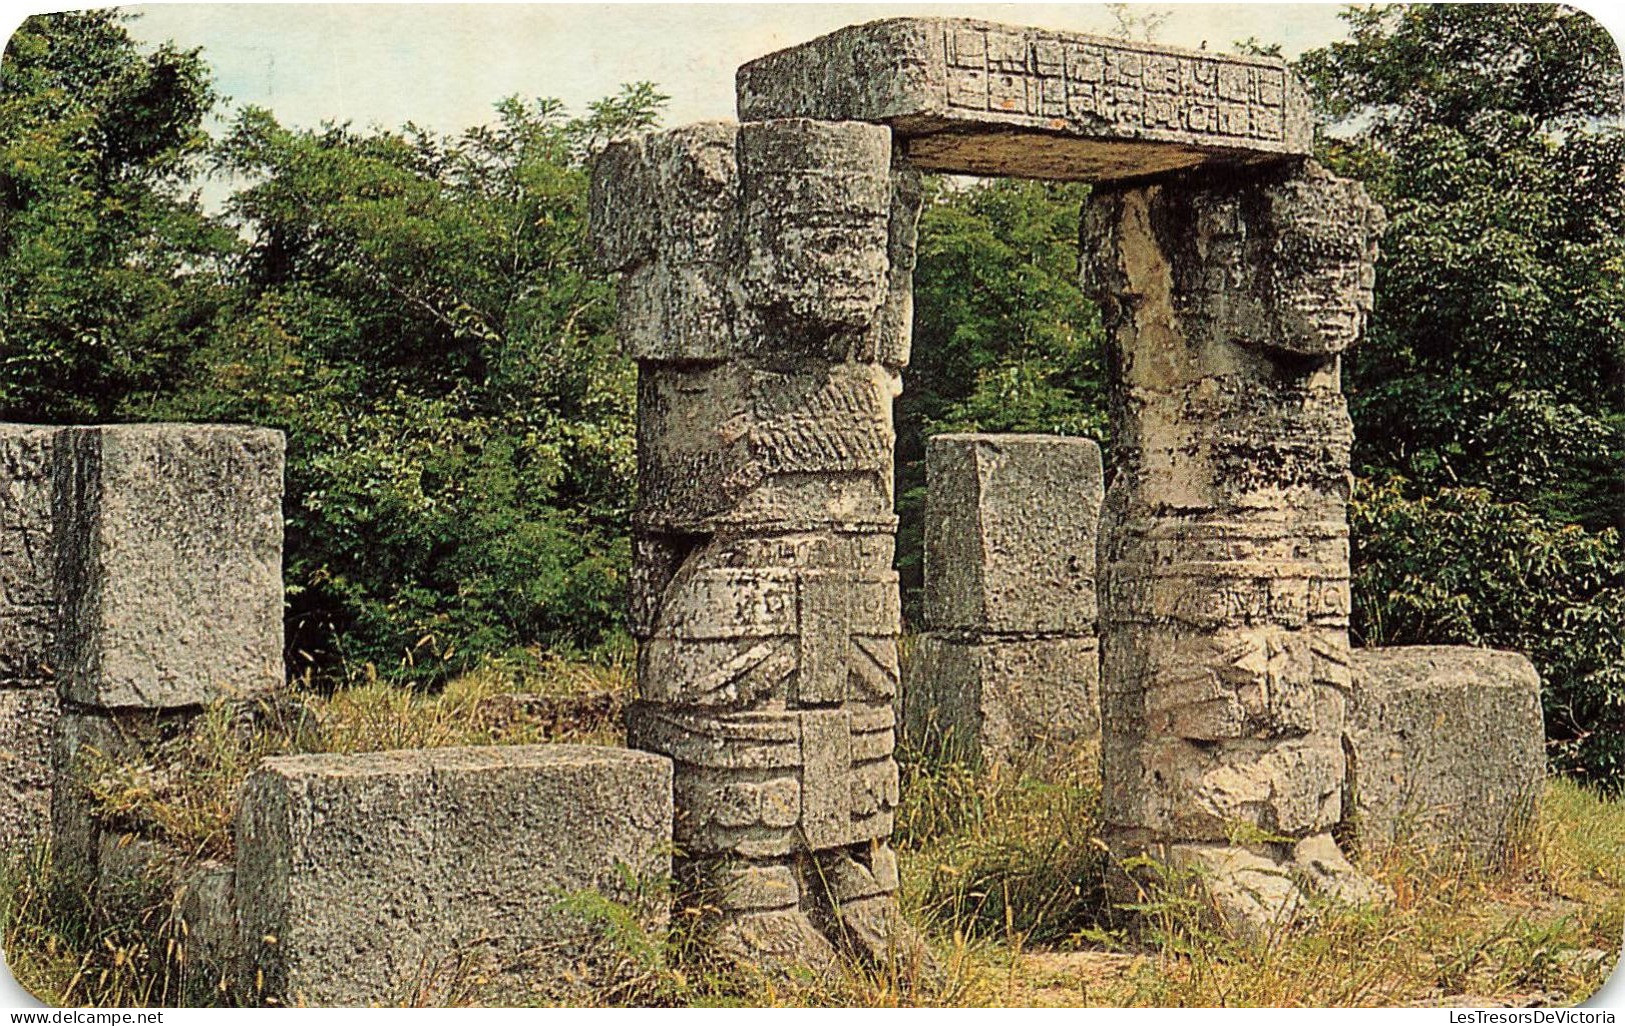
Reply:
x=765 y=292
x=1224 y=543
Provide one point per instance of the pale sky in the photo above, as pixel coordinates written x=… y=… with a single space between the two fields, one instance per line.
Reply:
x=443 y=66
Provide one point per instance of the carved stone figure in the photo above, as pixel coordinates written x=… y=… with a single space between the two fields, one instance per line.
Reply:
x=765 y=293
x=1224 y=541
x=764 y=290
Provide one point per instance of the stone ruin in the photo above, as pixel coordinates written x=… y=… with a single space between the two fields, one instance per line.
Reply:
x=1008 y=668
x=142 y=580
x=765 y=291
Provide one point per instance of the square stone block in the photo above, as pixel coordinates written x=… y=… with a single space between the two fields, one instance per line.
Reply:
x=27 y=718
x=999 y=700
x=169 y=564
x=362 y=877
x=1010 y=528
x=974 y=97
x=1446 y=746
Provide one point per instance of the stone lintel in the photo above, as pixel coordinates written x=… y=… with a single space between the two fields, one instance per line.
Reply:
x=974 y=97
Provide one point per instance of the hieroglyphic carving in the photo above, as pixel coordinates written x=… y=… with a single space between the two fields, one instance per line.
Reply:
x=974 y=97
x=1224 y=556
x=769 y=337
x=1002 y=69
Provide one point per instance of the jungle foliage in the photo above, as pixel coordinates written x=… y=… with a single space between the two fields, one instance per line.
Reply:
x=418 y=312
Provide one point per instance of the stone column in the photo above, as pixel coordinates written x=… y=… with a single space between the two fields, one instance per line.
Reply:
x=168 y=581
x=765 y=293
x=1224 y=543
x=28 y=703
x=1009 y=667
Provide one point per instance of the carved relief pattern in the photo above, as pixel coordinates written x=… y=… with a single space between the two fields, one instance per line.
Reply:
x=763 y=594
x=1027 y=72
x=1224 y=563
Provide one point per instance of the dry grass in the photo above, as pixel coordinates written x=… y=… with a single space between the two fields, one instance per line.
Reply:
x=1002 y=870
x=185 y=793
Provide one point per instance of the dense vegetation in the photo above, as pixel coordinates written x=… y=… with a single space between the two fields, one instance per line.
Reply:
x=418 y=312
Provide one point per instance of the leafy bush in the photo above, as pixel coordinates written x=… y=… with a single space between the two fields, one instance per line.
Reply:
x=420 y=314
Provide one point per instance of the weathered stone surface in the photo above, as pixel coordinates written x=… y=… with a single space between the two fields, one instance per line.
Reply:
x=765 y=275
x=27 y=560
x=27 y=719
x=359 y=877
x=769 y=784
x=979 y=98
x=206 y=903
x=28 y=697
x=1173 y=788
x=1223 y=556
x=1001 y=700
x=797 y=447
x=1446 y=745
x=1010 y=524
x=169 y=564
x=777 y=240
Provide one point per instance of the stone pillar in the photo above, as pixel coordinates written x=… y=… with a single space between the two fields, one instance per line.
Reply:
x=169 y=589
x=1224 y=550
x=28 y=702
x=764 y=292
x=1009 y=666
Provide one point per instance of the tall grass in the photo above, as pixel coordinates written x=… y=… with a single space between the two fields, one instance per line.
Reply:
x=1003 y=869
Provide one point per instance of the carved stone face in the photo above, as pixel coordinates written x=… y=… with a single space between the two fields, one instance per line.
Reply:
x=818 y=270
x=1318 y=264
x=817 y=212
x=1284 y=266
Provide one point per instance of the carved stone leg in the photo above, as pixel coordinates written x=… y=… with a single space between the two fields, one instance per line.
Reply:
x=859 y=897
x=1224 y=542
x=762 y=912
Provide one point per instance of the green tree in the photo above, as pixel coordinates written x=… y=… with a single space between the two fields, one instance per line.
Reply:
x=1489 y=395
x=1494 y=359
x=1004 y=339
x=419 y=313
x=110 y=276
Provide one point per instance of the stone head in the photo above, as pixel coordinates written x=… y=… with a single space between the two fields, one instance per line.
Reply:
x=1318 y=263
x=817 y=211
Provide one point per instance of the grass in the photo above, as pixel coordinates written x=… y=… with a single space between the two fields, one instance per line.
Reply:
x=1001 y=869
x=184 y=793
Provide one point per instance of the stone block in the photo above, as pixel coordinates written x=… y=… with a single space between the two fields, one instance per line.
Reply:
x=361 y=878
x=169 y=564
x=27 y=563
x=1010 y=527
x=206 y=903
x=27 y=718
x=998 y=700
x=1446 y=746
x=974 y=97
